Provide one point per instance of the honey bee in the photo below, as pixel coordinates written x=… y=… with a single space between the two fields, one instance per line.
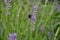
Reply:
x=29 y=16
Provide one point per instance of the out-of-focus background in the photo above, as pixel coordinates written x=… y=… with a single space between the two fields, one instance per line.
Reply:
x=14 y=18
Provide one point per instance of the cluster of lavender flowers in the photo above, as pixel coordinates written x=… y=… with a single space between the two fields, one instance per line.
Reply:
x=12 y=36
x=8 y=6
x=33 y=17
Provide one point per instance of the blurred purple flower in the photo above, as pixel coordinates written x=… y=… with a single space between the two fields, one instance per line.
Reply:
x=8 y=5
x=35 y=7
x=7 y=0
x=12 y=36
x=33 y=17
x=57 y=7
x=33 y=22
x=42 y=28
x=49 y=33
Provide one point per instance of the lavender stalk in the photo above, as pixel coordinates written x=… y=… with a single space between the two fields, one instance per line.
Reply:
x=33 y=17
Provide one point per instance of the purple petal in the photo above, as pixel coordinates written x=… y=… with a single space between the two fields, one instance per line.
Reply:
x=35 y=6
x=33 y=17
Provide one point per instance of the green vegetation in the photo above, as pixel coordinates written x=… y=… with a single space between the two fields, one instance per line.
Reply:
x=18 y=21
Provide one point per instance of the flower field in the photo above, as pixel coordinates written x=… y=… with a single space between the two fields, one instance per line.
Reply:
x=29 y=20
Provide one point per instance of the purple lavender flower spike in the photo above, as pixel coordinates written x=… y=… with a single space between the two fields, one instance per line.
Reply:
x=57 y=7
x=35 y=6
x=12 y=36
x=49 y=35
x=32 y=22
x=33 y=17
x=7 y=1
x=8 y=6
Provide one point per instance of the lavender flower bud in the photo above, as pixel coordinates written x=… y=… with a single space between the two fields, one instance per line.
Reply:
x=35 y=7
x=12 y=36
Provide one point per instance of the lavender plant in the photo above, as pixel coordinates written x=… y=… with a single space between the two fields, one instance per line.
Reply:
x=42 y=24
